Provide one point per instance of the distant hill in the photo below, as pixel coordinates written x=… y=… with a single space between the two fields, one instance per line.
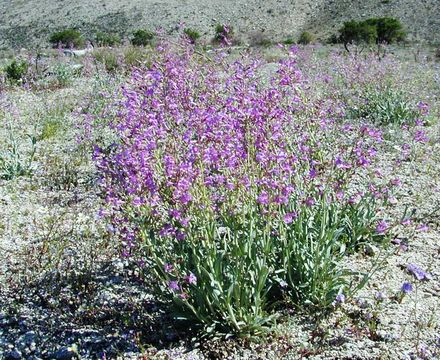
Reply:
x=28 y=23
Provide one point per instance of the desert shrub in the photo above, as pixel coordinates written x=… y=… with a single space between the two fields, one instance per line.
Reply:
x=437 y=53
x=107 y=39
x=234 y=198
x=385 y=106
x=16 y=71
x=389 y=30
x=306 y=38
x=142 y=37
x=67 y=38
x=374 y=30
x=108 y=58
x=289 y=41
x=353 y=32
x=192 y=35
x=224 y=34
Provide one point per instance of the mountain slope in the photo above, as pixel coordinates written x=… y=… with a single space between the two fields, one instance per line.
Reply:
x=30 y=22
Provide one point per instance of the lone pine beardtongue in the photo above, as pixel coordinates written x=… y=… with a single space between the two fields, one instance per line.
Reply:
x=227 y=186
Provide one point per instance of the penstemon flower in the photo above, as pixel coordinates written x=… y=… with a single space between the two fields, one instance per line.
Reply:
x=227 y=186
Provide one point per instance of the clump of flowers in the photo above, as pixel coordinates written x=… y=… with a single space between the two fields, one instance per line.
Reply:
x=234 y=192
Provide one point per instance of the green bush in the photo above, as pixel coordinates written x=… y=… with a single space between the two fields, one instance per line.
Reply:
x=306 y=38
x=67 y=38
x=374 y=30
x=289 y=41
x=16 y=71
x=192 y=35
x=353 y=32
x=107 y=39
x=142 y=37
x=389 y=30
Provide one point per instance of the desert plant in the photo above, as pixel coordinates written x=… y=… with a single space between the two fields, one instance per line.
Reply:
x=67 y=38
x=49 y=129
x=16 y=71
x=374 y=30
x=14 y=162
x=142 y=37
x=108 y=58
x=192 y=35
x=353 y=32
x=246 y=198
x=224 y=34
x=306 y=38
x=64 y=73
x=289 y=41
x=385 y=106
x=389 y=30
x=107 y=39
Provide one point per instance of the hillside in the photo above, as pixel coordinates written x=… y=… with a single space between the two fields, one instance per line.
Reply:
x=26 y=23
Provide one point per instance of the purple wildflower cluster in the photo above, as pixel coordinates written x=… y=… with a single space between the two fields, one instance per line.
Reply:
x=204 y=145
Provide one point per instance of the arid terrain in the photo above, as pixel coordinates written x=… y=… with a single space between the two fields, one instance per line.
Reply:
x=29 y=23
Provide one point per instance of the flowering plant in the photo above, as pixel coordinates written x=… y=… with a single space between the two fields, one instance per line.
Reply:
x=234 y=191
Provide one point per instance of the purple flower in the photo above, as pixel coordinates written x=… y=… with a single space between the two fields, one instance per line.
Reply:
x=168 y=268
x=340 y=298
x=191 y=279
x=263 y=198
x=420 y=136
x=418 y=273
x=289 y=217
x=396 y=182
x=423 y=107
x=380 y=296
x=173 y=285
x=382 y=227
x=422 y=228
x=406 y=288
x=310 y=201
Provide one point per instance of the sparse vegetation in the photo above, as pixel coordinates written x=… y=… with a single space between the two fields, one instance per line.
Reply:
x=358 y=33
x=192 y=35
x=67 y=38
x=386 y=106
x=224 y=34
x=16 y=71
x=142 y=37
x=107 y=39
x=289 y=41
x=108 y=58
x=306 y=38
